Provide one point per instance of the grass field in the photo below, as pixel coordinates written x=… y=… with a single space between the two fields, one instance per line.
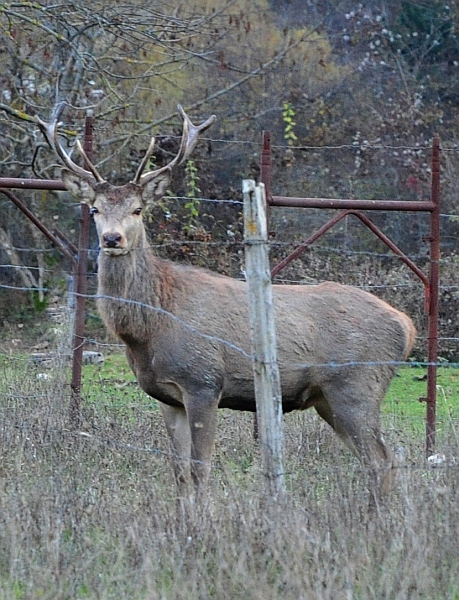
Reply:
x=91 y=514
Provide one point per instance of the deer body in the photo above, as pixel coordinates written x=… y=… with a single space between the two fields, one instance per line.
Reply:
x=198 y=360
x=198 y=347
x=187 y=331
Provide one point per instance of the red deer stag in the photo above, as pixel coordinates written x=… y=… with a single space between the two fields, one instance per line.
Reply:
x=187 y=338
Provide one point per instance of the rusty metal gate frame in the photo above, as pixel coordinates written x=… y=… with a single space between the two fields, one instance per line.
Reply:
x=78 y=257
x=354 y=208
x=348 y=207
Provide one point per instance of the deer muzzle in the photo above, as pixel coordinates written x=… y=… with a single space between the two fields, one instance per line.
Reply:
x=112 y=243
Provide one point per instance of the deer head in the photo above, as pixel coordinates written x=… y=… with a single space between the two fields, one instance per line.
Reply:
x=117 y=210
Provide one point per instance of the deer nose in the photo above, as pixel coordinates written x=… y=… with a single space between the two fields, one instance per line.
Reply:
x=111 y=240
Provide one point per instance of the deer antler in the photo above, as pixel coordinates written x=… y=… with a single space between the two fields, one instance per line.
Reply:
x=50 y=132
x=190 y=136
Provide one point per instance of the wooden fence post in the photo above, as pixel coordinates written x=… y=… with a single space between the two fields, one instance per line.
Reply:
x=264 y=351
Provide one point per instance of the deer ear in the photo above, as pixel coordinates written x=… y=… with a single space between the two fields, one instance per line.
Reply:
x=156 y=187
x=80 y=187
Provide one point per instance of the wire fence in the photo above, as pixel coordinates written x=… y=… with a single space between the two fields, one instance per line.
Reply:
x=435 y=462
x=233 y=243
x=34 y=397
x=400 y=284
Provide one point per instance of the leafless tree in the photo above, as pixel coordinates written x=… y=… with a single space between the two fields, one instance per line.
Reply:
x=130 y=64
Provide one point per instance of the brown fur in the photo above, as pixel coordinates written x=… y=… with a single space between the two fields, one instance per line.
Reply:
x=187 y=337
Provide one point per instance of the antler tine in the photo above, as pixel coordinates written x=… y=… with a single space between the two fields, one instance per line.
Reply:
x=50 y=132
x=91 y=167
x=190 y=136
x=144 y=162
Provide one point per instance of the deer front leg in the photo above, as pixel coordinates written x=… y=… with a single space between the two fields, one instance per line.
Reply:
x=202 y=420
x=180 y=442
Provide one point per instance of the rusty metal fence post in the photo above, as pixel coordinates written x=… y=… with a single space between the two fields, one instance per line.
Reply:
x=434 y=298
x=79 y=263
x=80 y=272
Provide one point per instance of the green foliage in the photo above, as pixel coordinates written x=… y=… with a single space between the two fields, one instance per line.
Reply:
x=288 y=117
x=193 y=193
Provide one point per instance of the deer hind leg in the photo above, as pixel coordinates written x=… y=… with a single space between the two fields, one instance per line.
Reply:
x=357 y=422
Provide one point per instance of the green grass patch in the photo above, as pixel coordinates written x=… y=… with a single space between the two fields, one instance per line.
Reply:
x=113 y=385
x=405 y=406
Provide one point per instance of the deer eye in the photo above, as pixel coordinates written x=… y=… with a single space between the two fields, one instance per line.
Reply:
x=94 y=211
x=137 y=211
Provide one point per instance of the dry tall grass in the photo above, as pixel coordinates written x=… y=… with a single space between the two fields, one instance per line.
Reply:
x=92 y=514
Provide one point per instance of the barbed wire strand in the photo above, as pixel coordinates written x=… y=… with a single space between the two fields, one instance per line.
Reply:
x=228 y=344
x=369 y=286
x=217 y=462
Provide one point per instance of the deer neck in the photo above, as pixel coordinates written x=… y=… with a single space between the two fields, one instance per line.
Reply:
x=130 y=292
x=120 y=275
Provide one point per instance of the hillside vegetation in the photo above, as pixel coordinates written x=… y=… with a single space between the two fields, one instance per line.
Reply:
x=352 y=94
